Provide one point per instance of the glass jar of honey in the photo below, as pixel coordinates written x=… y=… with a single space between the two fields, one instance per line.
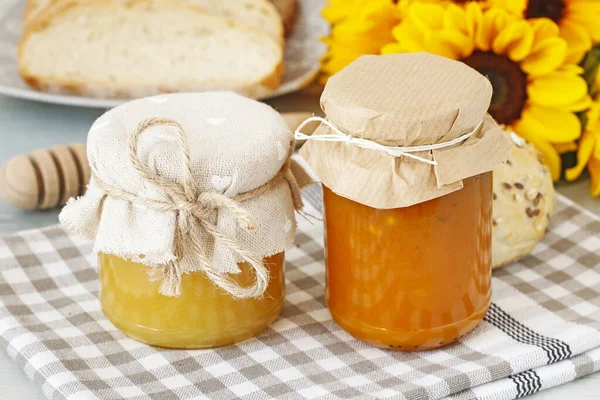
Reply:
x=202 y=316
x=191 y=207
x=405 y=157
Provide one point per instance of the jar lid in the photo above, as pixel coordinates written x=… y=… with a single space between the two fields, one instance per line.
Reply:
x=398 y=101
x=189 y=182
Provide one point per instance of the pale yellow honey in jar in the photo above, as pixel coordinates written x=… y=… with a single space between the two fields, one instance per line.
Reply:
x=202 y=316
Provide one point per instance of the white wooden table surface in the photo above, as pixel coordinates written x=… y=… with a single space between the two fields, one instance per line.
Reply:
x=25 y=126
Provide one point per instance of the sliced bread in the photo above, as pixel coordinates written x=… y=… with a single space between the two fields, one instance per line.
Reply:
x=33 y=7
x=260 y=14
x=136 y=48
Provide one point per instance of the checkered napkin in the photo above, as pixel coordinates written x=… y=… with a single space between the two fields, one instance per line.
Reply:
x=542 y=330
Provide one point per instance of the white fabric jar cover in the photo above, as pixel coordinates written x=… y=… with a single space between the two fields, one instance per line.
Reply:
x=235 y=146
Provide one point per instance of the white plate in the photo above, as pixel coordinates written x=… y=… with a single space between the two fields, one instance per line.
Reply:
x=302 y=56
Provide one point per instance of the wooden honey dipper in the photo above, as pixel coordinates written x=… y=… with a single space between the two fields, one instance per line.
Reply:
x=47 y=178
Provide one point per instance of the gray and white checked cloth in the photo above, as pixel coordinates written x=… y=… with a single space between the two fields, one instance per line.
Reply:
x=542 y=330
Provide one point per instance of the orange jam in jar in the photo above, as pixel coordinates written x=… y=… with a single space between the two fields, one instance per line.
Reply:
x=202 y=316
x=410 y=278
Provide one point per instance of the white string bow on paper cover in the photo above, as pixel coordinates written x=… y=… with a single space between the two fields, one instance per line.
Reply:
x=395 y=151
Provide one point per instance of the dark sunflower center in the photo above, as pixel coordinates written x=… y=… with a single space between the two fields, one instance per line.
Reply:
x=508 y=80
x=552 y=9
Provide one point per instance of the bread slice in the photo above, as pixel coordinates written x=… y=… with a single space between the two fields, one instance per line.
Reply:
x=137 y=48
x=33 y=7
x=260 y=14
x=288 y=9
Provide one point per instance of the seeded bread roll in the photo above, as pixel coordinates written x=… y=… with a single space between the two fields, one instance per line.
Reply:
x=524 y=201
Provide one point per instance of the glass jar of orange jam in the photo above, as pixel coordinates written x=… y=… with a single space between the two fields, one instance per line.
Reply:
x=410 y=278
x=202 y=316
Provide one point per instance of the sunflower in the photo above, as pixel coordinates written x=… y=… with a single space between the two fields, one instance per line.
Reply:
x=579 y=20
x=588 y=153
x=536 y=93
x=358 y=27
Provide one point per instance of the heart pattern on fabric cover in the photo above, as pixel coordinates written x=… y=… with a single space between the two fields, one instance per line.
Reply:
x=220 y=182
x=287 y=227
x=215 y=121
x=99 y=125
x=158 y=99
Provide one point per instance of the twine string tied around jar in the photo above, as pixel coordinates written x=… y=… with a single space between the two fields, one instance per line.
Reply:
x=397 y=151
x=194 y=212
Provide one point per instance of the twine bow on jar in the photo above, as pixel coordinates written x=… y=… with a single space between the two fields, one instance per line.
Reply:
x=194 y=212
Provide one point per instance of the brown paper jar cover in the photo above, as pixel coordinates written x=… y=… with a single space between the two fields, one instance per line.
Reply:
x=405 y=100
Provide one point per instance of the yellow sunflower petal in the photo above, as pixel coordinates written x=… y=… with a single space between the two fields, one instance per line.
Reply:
x=345 y=49
x=493 y=21
x=594 y=168
x=584 y=5
x=557 y=90
x=581 y=105
x=334 y=14
x=402 y=8
x=515 y=40
x=563 y=148
x=544 y=28
x=552 y=125
x=571 y=69
x=356 y=41
x=518 y=50
x=588 y=19
x=455 y=19
x=584 y=153
x=339 y=10
x=474 y=15
x=450 y=44
x=337 y=62
x=547 y=58
x=427 y=16
x=409 y=37
x=483 y=35
x=350 y=26
x=549 y=155
x=503 y=19
x=515 y=7
x=393 y=48
x=578 y=40
x=593 y=117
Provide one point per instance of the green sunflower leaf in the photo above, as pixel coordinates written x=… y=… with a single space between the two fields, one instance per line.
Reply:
x=591 y=65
